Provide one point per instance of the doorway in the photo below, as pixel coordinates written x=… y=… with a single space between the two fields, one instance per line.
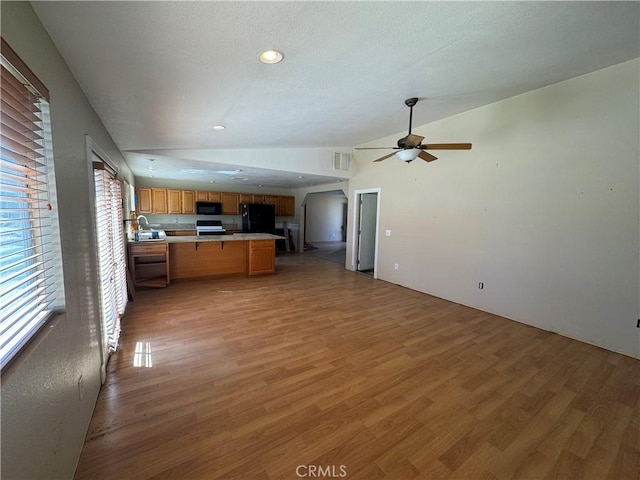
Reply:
x=365 y=235
x=324 y=225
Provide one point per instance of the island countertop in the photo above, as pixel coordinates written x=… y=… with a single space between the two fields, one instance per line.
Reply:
x=236 y=237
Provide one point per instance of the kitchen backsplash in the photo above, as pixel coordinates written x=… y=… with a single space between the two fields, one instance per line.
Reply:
x=229 y=221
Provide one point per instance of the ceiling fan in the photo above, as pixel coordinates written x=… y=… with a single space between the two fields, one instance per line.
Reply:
x=411 y=147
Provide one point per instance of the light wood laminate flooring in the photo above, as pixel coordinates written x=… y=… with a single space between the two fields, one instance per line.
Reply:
x=320 y=370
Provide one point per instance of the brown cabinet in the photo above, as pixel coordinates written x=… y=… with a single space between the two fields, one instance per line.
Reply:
x=271 y=200
x=168 y=201
x=149 y=264
x=246 y=198
x=143 y=201
x=174 y=201
x=230 y=203
x=202 y=196
x=286 y=207
x=262 y=257
x=159 y=200
x=205 y=259
x=188 y=198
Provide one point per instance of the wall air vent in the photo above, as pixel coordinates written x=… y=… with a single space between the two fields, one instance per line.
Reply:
x=341 y=161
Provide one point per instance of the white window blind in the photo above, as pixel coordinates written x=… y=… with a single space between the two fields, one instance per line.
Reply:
x=111 y=252
x=31 y=285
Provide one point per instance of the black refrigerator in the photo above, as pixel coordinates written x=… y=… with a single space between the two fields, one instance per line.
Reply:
x=258 y=218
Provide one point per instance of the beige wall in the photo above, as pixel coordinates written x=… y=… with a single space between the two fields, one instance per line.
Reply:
x=44 y=421
x=301 y=195
x=544 y=210
x=324 y=217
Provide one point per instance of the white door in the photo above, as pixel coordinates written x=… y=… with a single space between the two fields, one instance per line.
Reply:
x=367 y=231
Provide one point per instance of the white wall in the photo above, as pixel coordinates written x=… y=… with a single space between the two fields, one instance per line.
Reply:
x=214 y=187
x=324 y=217
x=544 y=210
x=301 y=196
x=43 y=420
x=309 y=161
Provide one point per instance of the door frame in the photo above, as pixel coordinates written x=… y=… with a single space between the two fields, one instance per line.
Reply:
x=356 y=223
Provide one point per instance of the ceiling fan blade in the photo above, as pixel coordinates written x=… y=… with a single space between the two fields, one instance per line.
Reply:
x=427 y=157
x=447 y=146
x=375 y=148
x=385 y=157
x=412 y=141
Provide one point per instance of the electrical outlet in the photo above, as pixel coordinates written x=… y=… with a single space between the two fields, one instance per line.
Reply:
x=481 y=285
x=387 y=233
x=81 y=387
x=395 y=266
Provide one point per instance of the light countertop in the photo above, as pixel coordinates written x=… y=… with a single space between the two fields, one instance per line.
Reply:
x=236 y=237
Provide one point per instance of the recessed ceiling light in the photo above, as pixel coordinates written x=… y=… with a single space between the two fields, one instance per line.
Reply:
x=300 y=176
x=218 y=127
x=271 y=56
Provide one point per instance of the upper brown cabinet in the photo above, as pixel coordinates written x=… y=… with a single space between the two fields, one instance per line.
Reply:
x=271 y=200
x=246 y=198
x=174 y=202
x=202 y=196
x=230 y=203
x=169 y=201
x=143 y=201
x=188 y=201
x=286 y=207
x=159 y=200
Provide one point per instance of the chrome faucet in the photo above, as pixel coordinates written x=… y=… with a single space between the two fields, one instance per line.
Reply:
x=145 y=219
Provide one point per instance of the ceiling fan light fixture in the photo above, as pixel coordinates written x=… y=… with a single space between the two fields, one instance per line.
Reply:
x=270 y=57
x=408 y=155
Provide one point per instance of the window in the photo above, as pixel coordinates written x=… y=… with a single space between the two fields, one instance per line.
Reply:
x=111 y=251
x=31 y=286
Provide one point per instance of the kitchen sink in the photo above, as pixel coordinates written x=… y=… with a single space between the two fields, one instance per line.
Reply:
x=151 y=235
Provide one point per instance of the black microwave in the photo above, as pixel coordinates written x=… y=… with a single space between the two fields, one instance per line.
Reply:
x=208 y=208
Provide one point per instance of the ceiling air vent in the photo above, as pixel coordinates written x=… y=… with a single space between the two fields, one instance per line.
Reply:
x=341 y=161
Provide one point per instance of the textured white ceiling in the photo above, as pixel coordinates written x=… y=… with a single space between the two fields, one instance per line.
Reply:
x=160 y=74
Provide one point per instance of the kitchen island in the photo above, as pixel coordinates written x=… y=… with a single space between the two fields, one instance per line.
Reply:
x=213 y=255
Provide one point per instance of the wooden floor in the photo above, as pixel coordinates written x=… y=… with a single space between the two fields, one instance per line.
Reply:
x=318 y=370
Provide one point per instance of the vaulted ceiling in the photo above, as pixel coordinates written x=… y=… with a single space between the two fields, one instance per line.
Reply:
x=161 y=74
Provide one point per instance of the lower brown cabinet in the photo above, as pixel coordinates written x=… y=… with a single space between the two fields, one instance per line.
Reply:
x=262 y=257
x=194 y=259
x=149 y=264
